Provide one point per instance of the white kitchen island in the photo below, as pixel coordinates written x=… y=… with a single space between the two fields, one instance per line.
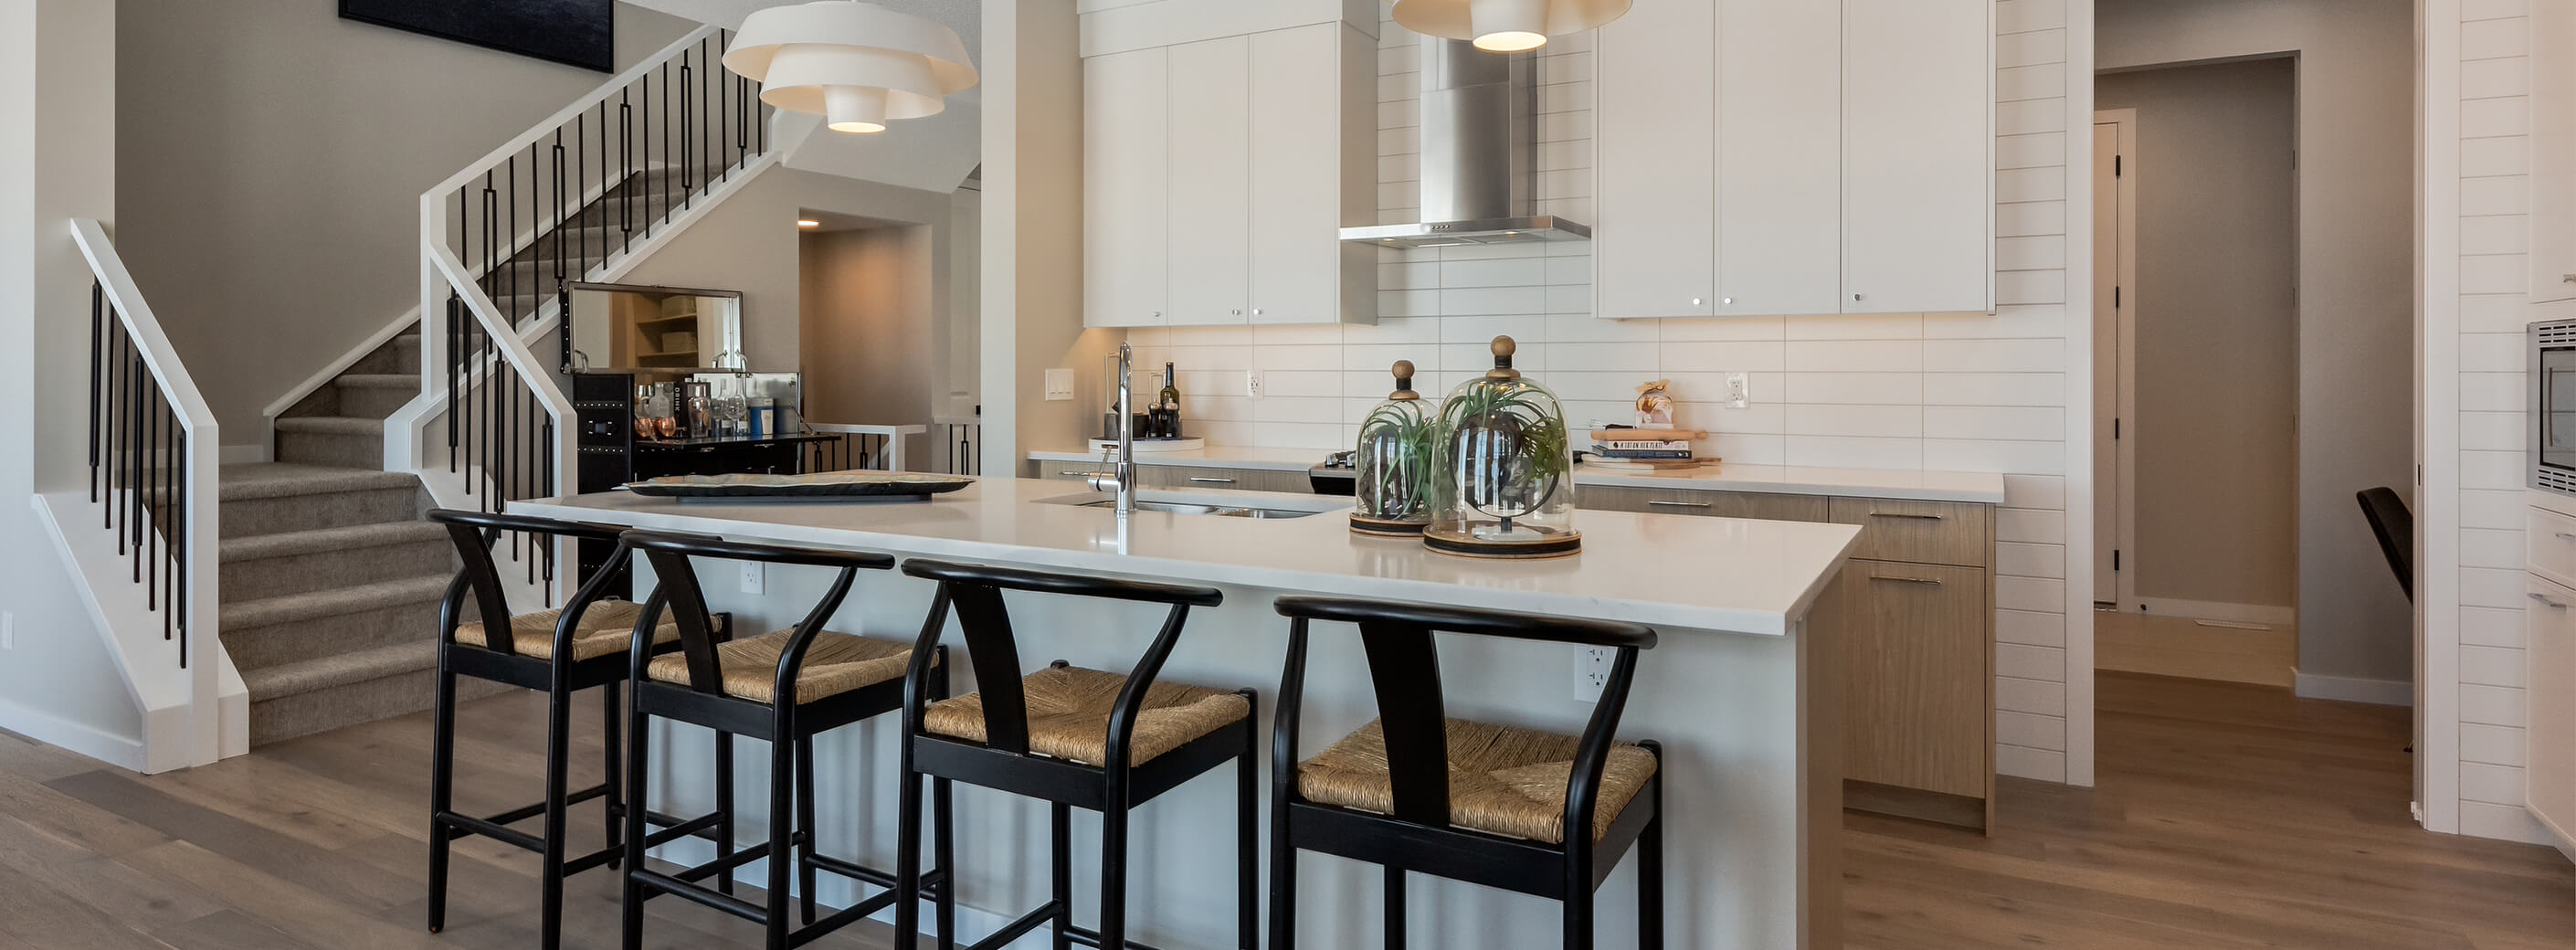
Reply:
x=1740 y=691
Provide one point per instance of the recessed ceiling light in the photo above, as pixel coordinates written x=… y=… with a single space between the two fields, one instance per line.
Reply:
x=808 y=223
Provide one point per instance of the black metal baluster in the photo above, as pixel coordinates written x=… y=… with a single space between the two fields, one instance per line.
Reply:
x=145 y=537
x=688 y=151
x=97 y=339
x=115 y=359
x=179 y=553
x=133 y=528
x=626 y=166
x=558 y=234
x=650 y=216
x=549 y=488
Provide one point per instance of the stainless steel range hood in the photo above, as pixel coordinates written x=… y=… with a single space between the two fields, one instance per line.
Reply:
x=1479 y=155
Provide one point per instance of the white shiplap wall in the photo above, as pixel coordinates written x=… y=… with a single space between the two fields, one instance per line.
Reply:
x=2494 y=196
x=1964 y=392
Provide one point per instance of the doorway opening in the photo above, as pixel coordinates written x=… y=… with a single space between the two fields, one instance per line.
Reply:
x=2196 y=370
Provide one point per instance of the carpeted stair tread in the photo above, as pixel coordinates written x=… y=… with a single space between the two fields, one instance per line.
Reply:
x=324 y=672
x=377 y=380
x=341 y=600
x=331 y=425
x=349 y=538
x=283 y=479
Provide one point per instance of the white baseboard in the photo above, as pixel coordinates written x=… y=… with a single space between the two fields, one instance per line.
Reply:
x=121 y=751
x=244 y=454
x=2211 y=610
x=2350 y=690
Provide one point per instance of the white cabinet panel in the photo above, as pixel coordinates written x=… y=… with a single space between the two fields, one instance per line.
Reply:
x=1918 y=162
x=1296 y=162
x=1655 y=240
x=1779 y=151
x=1211 y=169
x=2549 y=765
x=2553 y=150
x=1124 y=223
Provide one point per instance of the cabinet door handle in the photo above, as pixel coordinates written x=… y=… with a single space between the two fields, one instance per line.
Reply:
x=2553 y=605
x=1679 y=504
x=1929 y=580
x=1090 y=474
x=2564 y=536
x=1202 y=479
x=1905 y=515
x=2567 y=278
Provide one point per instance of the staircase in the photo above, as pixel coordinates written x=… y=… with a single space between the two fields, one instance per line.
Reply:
x=331 y=578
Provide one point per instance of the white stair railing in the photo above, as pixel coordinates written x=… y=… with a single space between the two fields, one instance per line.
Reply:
x=154 y=452
x=582 y=196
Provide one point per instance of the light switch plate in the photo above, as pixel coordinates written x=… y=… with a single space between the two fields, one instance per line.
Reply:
x=1591 y=673
x=1059 y=385
x=1252 y=383
x=1739 y=390
x=753 y=577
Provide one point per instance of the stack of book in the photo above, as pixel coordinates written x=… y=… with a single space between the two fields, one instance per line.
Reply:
x=1646 y=448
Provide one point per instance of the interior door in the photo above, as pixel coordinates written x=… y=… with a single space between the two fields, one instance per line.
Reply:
x=2106 y=362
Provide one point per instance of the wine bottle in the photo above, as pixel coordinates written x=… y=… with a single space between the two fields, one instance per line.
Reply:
x=1170 y=398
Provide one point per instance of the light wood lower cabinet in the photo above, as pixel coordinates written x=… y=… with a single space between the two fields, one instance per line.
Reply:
x=1715 y=504
x=1224 y=479
x=1918 y=684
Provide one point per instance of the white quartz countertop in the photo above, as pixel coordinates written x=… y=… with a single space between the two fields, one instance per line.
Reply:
x=1725 y=476
x=1718 y=574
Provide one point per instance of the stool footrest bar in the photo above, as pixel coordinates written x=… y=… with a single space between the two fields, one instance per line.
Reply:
x=469 y=825
x=677 y=887
x=1091 y=938
x=1012 y=931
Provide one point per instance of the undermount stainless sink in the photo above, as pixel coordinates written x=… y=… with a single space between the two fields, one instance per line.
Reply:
x=1221 y=511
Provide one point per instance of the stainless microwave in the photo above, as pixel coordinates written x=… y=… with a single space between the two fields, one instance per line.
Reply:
x=2553 y=406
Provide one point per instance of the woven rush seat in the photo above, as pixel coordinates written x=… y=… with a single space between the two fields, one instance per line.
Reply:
x=608 y=627
x=836 y=663
x=1503 y=780
x=1069 y=708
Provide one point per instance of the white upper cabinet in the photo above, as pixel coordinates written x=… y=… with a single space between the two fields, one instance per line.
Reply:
x=1794 y=157
x=2553 y=150
x=1124 y=226
x=1210 y=124
x=1219 y=173
x=1779 y=157
x=1655 y=177
x=1918 y=156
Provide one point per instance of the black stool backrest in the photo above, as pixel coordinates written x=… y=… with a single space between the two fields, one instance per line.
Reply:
x=474 y=534
x=676 y=588
x=975 y=590
x=2395 y=527
x=1404 y=669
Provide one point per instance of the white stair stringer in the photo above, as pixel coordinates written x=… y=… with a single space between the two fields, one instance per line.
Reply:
x=133 y=638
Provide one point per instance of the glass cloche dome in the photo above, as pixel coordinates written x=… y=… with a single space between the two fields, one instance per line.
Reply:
x=1506 y=469
x=1397 y=462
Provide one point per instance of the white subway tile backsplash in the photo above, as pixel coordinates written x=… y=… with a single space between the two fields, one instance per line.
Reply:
x=2494 y=39
x=2030 y=218
x=1493 y=300
x=2044 y=697
x=2492 y=626
x=2494 y=706
x=2032 y=627
x=1881 y=421
x=1855 y=388
x=1995 y=356
x=2483 y=782
x=1848 y=452
x=1714 y=357
x=2491 y=666
x=1994 y=423
x=1683 y=329
x=1855 y=356
x=1859 y=326
x=2030 y=731
x=2494 y=745
x=2030 y=524
x=1995 y=389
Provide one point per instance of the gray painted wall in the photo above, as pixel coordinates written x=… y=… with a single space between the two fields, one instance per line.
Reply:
x=870 y=301
x=2356 y=283
x=270 y=161
x=2215 y=431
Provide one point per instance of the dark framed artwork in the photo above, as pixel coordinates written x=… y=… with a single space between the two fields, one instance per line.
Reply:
x=573 y=32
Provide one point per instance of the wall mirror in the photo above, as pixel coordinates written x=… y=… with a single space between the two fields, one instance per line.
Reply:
x=631 y=328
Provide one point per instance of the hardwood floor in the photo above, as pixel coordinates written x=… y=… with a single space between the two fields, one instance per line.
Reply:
x=2224 y=816
x=2227 y=816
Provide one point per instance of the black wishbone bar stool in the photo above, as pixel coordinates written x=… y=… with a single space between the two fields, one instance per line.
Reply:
x=784 y=687
x=557 y=652
x=1502 y=806
x=1074 y=737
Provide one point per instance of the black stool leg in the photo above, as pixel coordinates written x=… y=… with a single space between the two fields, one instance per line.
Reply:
x=1113 y=872
x=782 y=805
x=1283 y=877
x=1247 y=847
x=1578 y=918
x=638 y=741
x=615 y=776
x=805 y=829
x=558 y=762
x=1394 y=909
x=1062 y=874
x=724 y=808
x=907 y=855
x=442 y=759
x=1650 y=862
x=943 y=847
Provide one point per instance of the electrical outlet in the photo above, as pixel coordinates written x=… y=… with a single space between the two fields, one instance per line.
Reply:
x=1739 y=390
x=1591 y=673
x=1059 y=385
x=8 y=630
x=1252 y=383
x=753 y=577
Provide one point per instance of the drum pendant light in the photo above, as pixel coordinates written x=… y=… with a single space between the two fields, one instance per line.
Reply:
x=1505 y=26
x=856 y=64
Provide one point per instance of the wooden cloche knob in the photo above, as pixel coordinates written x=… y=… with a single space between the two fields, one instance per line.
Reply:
x=1403 y=370
x=1503 y=350
x=1504 y=347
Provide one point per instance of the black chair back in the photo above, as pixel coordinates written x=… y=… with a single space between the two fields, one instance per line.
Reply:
x=474 y=534
x=677 y=589
x=975 y=592
x=1404 y=669
x=2395 y=527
